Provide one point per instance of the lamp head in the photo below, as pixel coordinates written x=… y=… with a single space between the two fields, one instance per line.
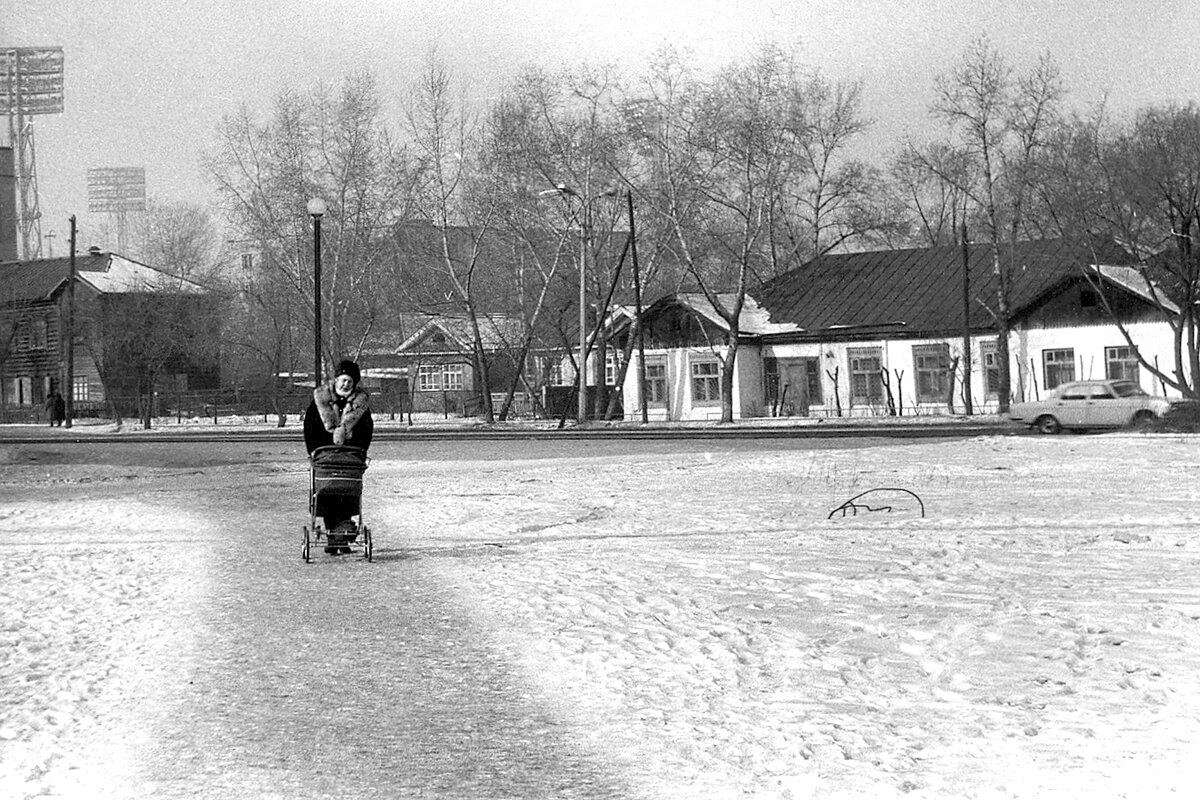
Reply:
x=316 y=207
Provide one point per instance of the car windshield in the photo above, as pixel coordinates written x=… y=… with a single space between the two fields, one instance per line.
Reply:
x=1127 y=389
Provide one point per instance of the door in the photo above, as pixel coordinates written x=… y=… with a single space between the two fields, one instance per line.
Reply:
x=1105 y=409
x=793 y=387
x=1071 y=407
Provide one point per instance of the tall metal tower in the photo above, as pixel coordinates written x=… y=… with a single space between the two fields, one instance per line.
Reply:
x=117 y=191
x=31 y=83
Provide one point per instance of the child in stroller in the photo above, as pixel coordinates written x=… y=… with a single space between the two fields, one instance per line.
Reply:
x=338 y=416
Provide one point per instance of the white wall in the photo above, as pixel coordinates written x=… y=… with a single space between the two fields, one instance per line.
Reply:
x=681 y=406
x=1152 y=339
x=897 y=357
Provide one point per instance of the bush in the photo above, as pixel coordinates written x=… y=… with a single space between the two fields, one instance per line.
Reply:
x=1182 y=417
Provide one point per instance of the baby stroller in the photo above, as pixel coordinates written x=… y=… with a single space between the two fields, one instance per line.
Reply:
x=335 y=487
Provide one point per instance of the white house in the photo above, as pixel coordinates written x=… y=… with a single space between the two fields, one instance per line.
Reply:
x=883 y=333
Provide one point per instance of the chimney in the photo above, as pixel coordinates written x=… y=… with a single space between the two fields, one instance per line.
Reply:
x=8 y=205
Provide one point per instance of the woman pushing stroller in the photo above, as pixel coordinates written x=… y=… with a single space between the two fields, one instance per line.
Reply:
x=339 y=415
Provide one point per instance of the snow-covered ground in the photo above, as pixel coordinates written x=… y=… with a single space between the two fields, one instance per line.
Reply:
x=1014 y=617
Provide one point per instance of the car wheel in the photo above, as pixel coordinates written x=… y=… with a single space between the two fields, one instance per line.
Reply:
x=1047 y=424
x=1143 y=420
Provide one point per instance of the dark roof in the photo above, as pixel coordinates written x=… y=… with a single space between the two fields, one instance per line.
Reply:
x=27 y=281
x=31 y=281
x=920 y=290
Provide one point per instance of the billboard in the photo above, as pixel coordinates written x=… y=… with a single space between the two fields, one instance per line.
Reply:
x=31 y=80
x=116 y=189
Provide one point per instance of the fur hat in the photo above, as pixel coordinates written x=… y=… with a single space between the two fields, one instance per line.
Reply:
x=348 y=367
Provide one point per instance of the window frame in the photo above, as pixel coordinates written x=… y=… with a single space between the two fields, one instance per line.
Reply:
x=989 y=359
x=453 y=377
x=429 y=378
x=656 y=382
x=440 y=377
x=612 y=360
x=873 y=378
x=1126 y=362
x=39 y=333
x=937 y=376
x=706 y=387
x=1063 y=368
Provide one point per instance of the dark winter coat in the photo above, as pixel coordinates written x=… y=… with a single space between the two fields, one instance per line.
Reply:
x=56 y=407
x=334 y=420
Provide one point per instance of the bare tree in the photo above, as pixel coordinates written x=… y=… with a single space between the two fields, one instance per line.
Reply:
x=1138 y=183
x=455 y=201
x=719 y=150
x=329 y=143
x=825 y=200
x=559 y=141
x=1002 y=123
x=927 y=182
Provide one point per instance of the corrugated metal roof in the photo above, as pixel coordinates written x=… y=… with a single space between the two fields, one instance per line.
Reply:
x=920 y=290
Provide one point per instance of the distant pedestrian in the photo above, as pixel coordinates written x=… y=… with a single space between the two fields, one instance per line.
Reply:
x=56 y=408
x=339 y=414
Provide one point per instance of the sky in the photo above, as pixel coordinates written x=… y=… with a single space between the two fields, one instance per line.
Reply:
x=147 y=81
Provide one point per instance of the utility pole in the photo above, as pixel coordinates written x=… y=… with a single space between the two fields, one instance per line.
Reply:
x=70 y=387
x=966 y=330
x=637 y=310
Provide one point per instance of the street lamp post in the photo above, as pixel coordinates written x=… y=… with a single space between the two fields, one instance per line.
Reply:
x=316 y=210
x=584 y=227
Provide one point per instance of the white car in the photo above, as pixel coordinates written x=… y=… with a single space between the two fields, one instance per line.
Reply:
x=1090 y=404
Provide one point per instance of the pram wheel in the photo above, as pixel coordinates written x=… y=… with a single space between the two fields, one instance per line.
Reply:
x=305 y=552
x=368 y=546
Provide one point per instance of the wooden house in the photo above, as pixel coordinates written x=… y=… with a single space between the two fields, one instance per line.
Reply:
x=131 y=321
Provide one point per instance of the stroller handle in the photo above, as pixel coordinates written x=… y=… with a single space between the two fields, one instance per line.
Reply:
x=338 y=448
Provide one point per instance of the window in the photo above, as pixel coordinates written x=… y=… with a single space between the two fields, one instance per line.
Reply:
x=932 y=365
x=1058 y=367
x=452 y=376
x=1121 y=364
x=991 y=369
x=554 y=372
x=81 y=389
x=611 y=363
x=866 y=382
x=38 y=334
x=812 y=369
x=439 y=377
x=429 y=378
x=656 y=383
x=770 y=380
x=1075 y=393
x=20 y=391
x=247 y=262
x=706 y=382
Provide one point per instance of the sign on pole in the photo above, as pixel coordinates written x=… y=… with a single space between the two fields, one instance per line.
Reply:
x=31 y=80
x=116 y=189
